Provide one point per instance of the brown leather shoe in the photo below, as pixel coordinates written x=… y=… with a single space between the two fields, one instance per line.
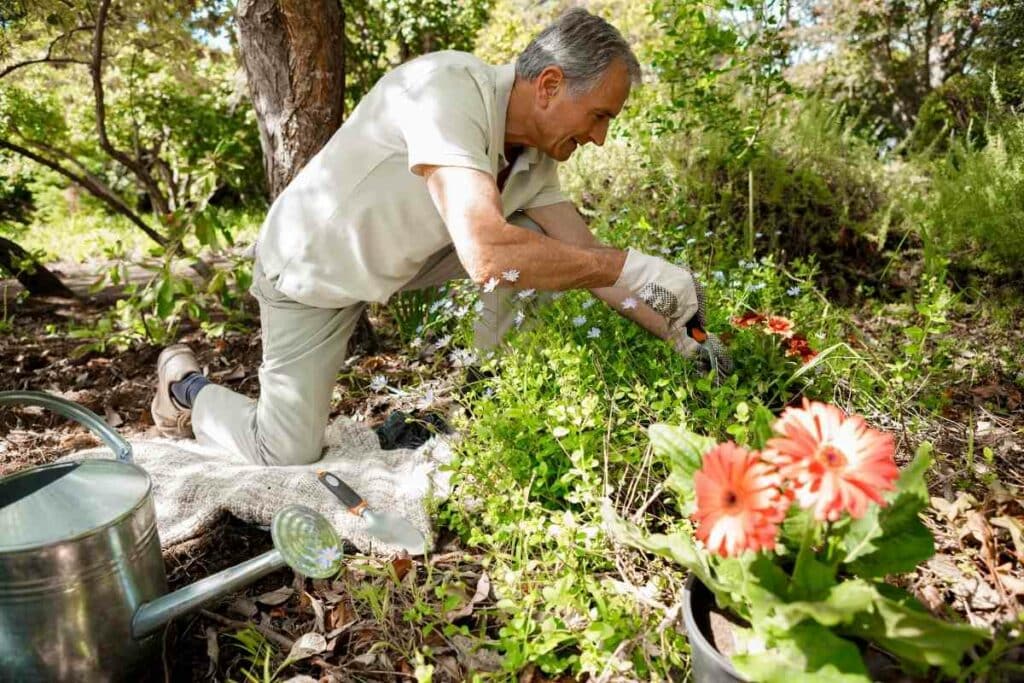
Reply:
x=171 y=419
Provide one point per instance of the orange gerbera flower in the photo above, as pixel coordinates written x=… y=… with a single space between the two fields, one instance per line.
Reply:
x=776 y=324
x=797 y=345
x=834 y=463
x=748 y=319
x=739 y=504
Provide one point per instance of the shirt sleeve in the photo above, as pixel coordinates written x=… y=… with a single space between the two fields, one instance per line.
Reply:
x=550 y=191
x=444 y=121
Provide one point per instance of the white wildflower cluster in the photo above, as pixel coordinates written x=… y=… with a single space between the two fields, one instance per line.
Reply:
x=462 y=358
x=491 y=284
x=594 y=332
x=794 y=290
x=588 y=303
x=511 y=275
x=526 y=294
x=718 y=275
x=579 y=321
x=519 y=319
x=378 y=383
x=443 y=341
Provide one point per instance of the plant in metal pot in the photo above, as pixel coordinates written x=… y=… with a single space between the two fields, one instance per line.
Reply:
x=795 y=536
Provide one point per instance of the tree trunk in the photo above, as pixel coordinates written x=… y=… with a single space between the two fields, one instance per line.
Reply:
x=32 y=275
x=293 y=55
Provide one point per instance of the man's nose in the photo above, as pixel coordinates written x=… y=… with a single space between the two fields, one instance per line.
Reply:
x=598 y=133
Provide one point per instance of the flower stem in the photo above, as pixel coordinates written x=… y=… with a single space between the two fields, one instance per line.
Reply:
x=805 y=550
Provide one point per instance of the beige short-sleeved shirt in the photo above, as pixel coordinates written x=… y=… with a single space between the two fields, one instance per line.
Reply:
x=356 y=223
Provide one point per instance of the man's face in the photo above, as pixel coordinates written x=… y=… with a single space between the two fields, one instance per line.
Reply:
x=565 y=121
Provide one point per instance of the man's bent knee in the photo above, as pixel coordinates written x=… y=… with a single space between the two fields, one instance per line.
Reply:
x=285 y=451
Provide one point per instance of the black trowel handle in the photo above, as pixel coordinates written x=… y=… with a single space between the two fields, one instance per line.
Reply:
x=349 y=498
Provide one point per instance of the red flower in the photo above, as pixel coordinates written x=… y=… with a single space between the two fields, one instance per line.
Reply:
x=833 y=462
x=748 y=319
x=776 y=324
x=797 y=345
x=739 y=504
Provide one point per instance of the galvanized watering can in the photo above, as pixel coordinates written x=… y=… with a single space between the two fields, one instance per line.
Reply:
x=82 y=584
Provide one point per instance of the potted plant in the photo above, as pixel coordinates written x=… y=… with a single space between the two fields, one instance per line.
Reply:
x=793 y=543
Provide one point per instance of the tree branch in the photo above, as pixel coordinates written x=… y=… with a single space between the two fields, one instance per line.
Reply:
x=97 y=190
x=48 y=58
x=157 y=197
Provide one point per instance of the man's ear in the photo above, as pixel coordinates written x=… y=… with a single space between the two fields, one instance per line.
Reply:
x=549 y=82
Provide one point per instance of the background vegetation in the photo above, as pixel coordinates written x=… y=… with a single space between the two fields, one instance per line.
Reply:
x=857 y=167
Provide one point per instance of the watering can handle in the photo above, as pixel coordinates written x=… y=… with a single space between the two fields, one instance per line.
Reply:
x=122 y=449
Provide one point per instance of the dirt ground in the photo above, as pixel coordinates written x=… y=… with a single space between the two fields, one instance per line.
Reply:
x=977 y=514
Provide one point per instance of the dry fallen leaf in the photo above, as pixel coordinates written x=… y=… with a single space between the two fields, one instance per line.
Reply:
x=1016 y=529
x=318 y=612
x=244 y=607
x=212 y=650
x=276 y=597
x=401 y=565
x=307 y=645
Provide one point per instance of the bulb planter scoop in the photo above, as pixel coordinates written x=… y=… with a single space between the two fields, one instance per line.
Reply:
x=83 y=591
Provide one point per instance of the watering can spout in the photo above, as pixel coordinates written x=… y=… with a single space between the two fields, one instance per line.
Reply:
x=150 y=616
x=303 y=540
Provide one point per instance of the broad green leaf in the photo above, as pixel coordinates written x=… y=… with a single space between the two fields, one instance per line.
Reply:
x=165 y=297
x=841 y=605
x=893 y=539
x=678 y=546
x=808 y=653
x=683 y=448
x=896 y=541
x=913 y=634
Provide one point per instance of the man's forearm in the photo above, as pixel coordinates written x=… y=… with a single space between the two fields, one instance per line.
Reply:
x=636 y=310
x=541 y=262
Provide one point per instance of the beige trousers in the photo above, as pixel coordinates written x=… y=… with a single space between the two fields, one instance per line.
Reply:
x=303 y=349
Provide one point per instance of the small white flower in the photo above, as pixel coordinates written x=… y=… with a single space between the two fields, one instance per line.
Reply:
x=629 y=303
x=478 y=306
x=557 y=295
x=519 y=319
x=665 y=250
x=594 y=332
x=416 y=343
x=511 y=275
x=691 y=241
x=436 y=305
x=491 y=284
x=778 y=232
x=378 y=382
x=588 y=303
x=718 y=275
x=326 y=557
x=756 y=287
x=428 y=399
x=443 y=341
x=709 y=233
x=742 y=263
x=461 y=311
x=793 y=291
x=750 y=265
x=579 y=321
x=758 y=235
x=488 y=392
x=820 y=335
x=525 y=294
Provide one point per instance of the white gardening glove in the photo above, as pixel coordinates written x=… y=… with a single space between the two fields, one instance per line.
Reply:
x=668 y=289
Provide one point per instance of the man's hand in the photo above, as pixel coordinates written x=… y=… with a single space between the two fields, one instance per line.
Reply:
x=670 y=290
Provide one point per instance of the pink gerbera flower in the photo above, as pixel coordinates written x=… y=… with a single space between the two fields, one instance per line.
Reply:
x=833 y=462
x=739 y=504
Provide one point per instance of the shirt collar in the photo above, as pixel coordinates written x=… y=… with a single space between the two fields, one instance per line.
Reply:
x=505 y=76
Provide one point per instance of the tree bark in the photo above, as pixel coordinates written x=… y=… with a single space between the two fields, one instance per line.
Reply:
x=293 y=54
x=36 y=278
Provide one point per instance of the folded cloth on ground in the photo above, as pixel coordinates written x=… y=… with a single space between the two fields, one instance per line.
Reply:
x=194 y=485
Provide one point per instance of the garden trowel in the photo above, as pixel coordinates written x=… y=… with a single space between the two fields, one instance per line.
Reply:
x=382 y=525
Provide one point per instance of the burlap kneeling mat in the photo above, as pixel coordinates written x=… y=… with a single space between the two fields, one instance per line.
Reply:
x=194 y=485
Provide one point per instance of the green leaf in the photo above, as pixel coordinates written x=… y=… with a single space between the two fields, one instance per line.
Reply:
x=678 y=547
x=165 y=296
x=808 y=653
x=841 y=604
x=684 y=449
x=893 y=539
x=914 y=635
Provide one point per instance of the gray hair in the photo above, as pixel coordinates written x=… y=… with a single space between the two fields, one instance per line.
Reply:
x=583 y=46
